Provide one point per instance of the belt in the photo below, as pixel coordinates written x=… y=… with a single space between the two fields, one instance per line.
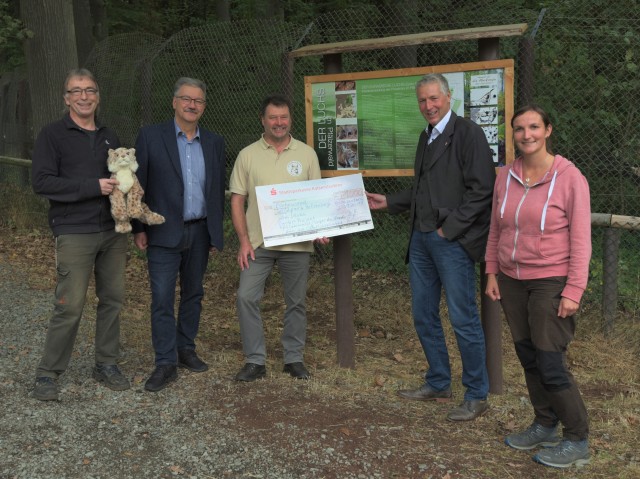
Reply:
x=193 y=222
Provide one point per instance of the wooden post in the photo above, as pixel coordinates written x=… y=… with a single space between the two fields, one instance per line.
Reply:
x=489 y=49
x=342 y=266
x=610 y=249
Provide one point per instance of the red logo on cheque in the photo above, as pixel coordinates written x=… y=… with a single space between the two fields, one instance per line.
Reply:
x=273 y=192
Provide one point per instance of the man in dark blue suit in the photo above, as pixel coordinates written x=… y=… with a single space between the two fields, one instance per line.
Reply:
x=182 y=171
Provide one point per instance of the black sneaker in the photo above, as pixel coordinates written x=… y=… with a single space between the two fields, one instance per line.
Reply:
x=187 y=358
x=296 y=370
x=45 y=389
x=110 y=376
x=250 y=372
x=161 y=377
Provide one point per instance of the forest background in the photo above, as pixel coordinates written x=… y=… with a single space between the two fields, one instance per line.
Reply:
x=577 y=58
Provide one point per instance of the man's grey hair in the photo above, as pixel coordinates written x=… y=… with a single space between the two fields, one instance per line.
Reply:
x=434 y=78
x=190 y=82
x=76 y=73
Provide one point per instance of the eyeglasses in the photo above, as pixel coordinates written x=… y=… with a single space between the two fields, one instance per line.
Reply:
x=187 y=100
x=78 y=91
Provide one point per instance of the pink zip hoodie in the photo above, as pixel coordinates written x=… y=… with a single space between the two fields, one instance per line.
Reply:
x=543 y=230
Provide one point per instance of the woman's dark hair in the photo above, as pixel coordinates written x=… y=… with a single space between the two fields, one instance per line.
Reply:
x=532 y=107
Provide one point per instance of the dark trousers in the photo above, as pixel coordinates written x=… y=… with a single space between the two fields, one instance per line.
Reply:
x=541 y=338
x=189 y=261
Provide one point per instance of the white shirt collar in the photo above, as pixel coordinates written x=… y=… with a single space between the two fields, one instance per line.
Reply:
x=439 y=128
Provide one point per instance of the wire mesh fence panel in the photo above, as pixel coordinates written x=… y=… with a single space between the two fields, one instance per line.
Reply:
x=577 y=60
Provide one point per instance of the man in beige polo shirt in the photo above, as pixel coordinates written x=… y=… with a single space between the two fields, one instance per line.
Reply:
x=275 y=158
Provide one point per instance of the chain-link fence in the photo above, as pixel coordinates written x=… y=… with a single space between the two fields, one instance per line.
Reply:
x=584 y=72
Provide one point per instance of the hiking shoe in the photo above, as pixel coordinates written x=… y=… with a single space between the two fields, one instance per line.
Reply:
x=534 y=436
x=565 y=454
x=110 y=376
x=45 y=389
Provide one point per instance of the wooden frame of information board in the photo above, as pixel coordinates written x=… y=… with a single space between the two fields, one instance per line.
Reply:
x=369 y=122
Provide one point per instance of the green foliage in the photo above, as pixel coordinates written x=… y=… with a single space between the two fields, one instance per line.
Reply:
x=12 y=34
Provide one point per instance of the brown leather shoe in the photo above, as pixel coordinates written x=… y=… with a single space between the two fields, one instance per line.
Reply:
x=468 y=410
x=426 y=393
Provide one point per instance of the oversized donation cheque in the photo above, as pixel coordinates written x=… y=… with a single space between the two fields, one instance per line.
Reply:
x=306 y=210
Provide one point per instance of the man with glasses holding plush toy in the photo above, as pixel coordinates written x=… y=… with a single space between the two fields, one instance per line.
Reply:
x=69 y=168
x=182 y=171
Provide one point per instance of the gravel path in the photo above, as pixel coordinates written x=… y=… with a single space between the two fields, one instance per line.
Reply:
x=204 y=426
x=97 y=433
x=209 y=426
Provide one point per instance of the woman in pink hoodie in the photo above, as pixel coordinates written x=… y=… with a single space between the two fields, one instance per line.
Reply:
x=537 y=264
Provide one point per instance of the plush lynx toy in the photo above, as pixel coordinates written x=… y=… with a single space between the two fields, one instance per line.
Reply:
x=126 y=199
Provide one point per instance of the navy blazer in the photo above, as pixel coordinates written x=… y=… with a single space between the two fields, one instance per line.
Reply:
x=460 y=176
x=160 y=176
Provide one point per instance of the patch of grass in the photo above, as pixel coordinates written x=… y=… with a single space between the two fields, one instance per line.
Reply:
x=20 y=209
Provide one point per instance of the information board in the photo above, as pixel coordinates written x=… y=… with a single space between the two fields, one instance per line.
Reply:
x=369 y=122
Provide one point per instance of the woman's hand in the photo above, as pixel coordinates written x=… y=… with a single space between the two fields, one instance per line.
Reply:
x=567 y=307
x=493 y=290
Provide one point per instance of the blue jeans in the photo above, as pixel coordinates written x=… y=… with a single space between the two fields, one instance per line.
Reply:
x=435 y=262
x=189 y=259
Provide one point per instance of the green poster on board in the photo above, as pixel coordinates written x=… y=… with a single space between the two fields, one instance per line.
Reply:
x=374 y=123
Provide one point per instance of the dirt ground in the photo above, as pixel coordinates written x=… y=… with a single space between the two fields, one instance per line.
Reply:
x=343 y=423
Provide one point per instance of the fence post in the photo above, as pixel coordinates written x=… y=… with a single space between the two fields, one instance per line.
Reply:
x=610 y=250
x=489 y=49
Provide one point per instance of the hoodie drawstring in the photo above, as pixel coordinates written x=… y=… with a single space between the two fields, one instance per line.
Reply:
x=546 y=204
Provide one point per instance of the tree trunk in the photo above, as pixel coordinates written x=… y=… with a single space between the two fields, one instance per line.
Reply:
x=99 y=16
x=50 y=54
x=273 y=9
x=222 y=10
x=83 y=25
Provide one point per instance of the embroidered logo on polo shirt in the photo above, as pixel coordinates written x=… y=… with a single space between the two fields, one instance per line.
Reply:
x=294 y=168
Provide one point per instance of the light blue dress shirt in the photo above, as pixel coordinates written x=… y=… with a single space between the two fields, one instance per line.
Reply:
x=193 y=175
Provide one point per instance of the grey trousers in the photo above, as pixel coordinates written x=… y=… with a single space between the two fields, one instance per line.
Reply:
x=78 y=256
x=294 y=269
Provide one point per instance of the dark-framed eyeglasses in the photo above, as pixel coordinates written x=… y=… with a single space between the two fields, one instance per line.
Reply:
x=187 y=100
x=78 y=91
